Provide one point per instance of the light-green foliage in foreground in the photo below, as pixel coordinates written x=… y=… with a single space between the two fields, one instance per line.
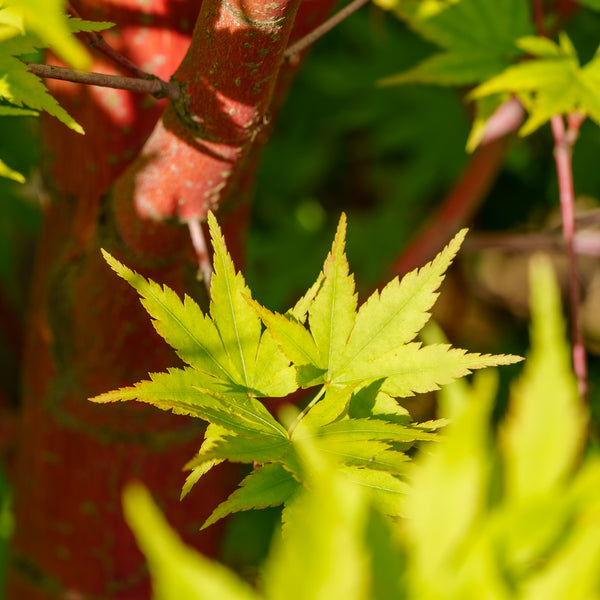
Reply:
x=509 y=513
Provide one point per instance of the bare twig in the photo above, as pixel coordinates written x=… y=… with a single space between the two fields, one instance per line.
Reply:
x=538 y=15
x=322 y=29
x=205 y=270
x=564 y=139
x=97 y=41
x=155 y=86
x=563 y=149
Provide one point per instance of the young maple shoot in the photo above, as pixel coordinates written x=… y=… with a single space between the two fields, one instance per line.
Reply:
x=240 y=354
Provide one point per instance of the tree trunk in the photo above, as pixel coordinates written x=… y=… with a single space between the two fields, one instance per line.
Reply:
x=87 y=332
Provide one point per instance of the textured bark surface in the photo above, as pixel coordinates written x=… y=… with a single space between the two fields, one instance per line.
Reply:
x=87 y=332
x=220 y=112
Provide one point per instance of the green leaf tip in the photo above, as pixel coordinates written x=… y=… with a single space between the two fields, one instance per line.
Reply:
x=113 y=263
x=26 y=27
x=545 y=429
x=177 y=571
x=47 y=21
x=6 y=171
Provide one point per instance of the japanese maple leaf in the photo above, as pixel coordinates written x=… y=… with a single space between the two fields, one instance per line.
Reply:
x=362 y=359
x=551 y=83
x=477 y=38
x=344 y=346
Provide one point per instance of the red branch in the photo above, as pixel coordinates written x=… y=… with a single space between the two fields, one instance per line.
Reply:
x=538 y=15
x=563 y=151
x=193 y=157
x=564 y=139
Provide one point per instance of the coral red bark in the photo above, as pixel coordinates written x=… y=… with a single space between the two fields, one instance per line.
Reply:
x=87 y=332
x=220 y=112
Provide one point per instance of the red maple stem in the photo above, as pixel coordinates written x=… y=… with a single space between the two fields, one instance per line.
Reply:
x=564 y=138
x=205 y=270
x=538 y=15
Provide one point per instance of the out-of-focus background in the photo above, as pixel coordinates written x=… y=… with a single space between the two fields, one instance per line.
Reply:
x=387 y=156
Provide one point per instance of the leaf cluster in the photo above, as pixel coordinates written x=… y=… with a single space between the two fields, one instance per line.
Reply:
x=492 y=44
x=477 y=38
x=552 y=82
x=27 y=26
x=510 y=514
x=356 y=361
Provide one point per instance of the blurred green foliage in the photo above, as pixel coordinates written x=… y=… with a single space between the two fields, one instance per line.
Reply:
x=496 y=514
x=19 y=226
x=386 y=156
x=383 y=155
x=6 y=525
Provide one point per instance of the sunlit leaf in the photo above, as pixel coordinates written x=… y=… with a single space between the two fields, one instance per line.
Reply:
x=181 y=391
x=542 y=446
x=413 y=368
x=177 y=571
x=477 y=38
x=269 y=485
x=322 y=552
x=449 y=490
x=47 y=20
x=23 y=89
x=6 y=171
x=394 y=317
x=363 y=359
x=551 y=84
x=332 y=313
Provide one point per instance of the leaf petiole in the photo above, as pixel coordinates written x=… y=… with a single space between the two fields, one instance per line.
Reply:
x=305 y=410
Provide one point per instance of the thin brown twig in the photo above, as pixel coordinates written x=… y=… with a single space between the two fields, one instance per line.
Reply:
x=538 y=15
x=96 y=41
x=154 y=86
x=322 y=29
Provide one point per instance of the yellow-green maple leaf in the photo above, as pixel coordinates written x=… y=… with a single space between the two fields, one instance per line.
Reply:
x=552 y=83
x=346 y=347
x=476 y=37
